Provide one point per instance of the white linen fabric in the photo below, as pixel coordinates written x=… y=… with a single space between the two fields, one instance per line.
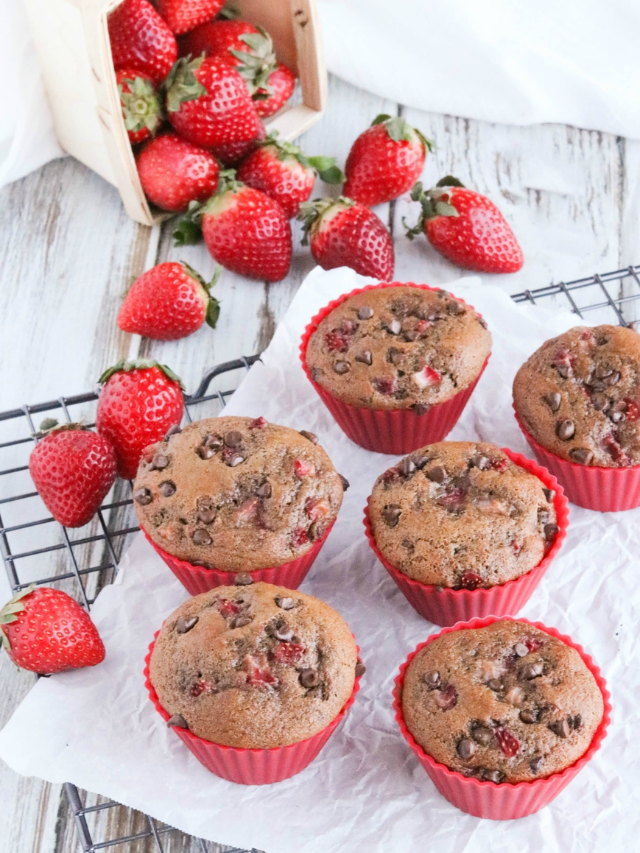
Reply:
x=366 y=792
x=573 y=62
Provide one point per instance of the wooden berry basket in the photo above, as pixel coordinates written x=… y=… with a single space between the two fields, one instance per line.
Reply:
x=72 y=42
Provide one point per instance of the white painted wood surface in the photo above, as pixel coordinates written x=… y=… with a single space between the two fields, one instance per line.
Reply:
x=68 y=252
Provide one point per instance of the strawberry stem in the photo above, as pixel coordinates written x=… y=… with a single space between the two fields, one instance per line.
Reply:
x=125 y=366
x=182 y=84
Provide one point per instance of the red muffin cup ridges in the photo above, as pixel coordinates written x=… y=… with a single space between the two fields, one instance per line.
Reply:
x=394 y=431
x=504 y=801
x=197 y=579
x=444 y=606
x=589 y=486
x=251 y=766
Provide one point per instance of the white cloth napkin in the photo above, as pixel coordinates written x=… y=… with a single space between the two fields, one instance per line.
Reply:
x=573 y=62
x=366 y=792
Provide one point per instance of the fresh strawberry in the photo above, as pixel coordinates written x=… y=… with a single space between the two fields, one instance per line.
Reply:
x=168 y=302
x=209 y=104
x=139 y=402
x=466 y=228
x=141 y=39
x=184 y=15
x=231 y=153
x=270 y=98
x=385 y=161
x=220 y=37
x=72 y=469
x=245 y=230
x=44 y=630
x=174 y=172
x=285 y=173
x=343 y=233
x=141 y=106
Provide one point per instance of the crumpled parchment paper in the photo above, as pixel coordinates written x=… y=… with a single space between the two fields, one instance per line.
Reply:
x=366 y=792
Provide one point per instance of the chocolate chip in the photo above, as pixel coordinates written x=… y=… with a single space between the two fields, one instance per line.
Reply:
x=521 y=650
x=531 y=671
x=613 y=379
x=482 y=735
x=365 y=313
x=391 y=515
x=407 y=467
x=309 y=677
x=360 y=669
x=345 y=482
x=575 y=721
x=264 y=491
x=560 y=728
x=421 y=408
x=495 y=684
x=595 y=385
x=492 y=775
x=565 y=430
x=159 y=461
x=535 y=764
x=213 y=441
x=310 y=436
x=602 y=371
x=183 y=625
x=550 y=532
x=174 y=430
x=178 y=721
x=168 y=488
x=206 y=514
x=201 y=537
x=483 y=463
x=483 y=322
x=316 y=531
x=455 y=308
x=394 y=355
x=342 y=367
x=529 y=716
x=241 y=620
x=205 y=452
x=365 y=357
x=243 y=579
x=581 y=455
x=549 y=494
x=431 y=679
x=284 y=632
x=553 y=400
x=316 y=373
x=142 y=496
x=466 y=748
x=234 y=460
x=285 y=603
x=565 y=370
x=543 y=515
x=394 y=327
x=437 y=474
x=233 y=438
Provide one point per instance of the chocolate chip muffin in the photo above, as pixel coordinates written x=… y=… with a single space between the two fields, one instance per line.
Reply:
x=237 y=494
x=579 y=396
x=461 y=514
x=398 y=347
x=503 y=703
x=254 y=666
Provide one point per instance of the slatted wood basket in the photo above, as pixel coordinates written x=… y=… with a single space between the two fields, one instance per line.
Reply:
x=72 y=41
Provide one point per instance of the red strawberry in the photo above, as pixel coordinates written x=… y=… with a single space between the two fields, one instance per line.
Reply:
x=174 y=172
x=246 y=231
x=208 y=103
x=385 y=161
x=168 y=302
x=343 y=233
x=219 y=37
x=141 y=39
x=466 y=228
x=72 y=469
x=230 y=153
x=184 y=15
x=46 y=631
x=141 y=106
x=285 y=173
x=268 y=99
x=139 y=402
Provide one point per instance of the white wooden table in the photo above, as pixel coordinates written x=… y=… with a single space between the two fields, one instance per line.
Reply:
x=68 y=252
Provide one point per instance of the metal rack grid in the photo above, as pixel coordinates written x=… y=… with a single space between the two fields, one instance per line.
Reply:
x=36 y=548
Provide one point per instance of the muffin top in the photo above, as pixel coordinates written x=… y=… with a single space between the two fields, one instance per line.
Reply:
x=579 y=396
x=237 y=494
x=504 y=703
x=253 y=666
x=397 y=347
x=461 y=514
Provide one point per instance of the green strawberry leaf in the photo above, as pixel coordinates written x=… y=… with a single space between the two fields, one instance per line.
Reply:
x=326 y=169
x=186 y=232
x=398 y=129
x=124 y=366
x=380 y=119
x=429 y=144
x=213 y=312
x=47 y=424
x=443 y=208
x=228 y=13
x=449 y=181
x=182 y=84
x=9 y=611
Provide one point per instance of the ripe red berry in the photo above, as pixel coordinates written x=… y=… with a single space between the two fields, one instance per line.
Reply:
x=141 y=105
x=173 y=172
x=184 y=15
x=141 y=39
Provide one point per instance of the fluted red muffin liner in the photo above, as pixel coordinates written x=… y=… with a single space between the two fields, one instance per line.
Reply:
x=506 y=800
x=197 y=579
x=444 y=606
x=251 y=766
x=590 y=486
x=394 y=431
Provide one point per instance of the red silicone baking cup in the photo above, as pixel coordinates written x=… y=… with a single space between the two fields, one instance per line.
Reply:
x=590 y=486
x=444 y=606
x=395 y=431
x=196 y=579
x=504 y=801
x=251 y=766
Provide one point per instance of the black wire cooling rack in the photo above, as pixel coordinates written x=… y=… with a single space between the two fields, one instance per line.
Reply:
x=35 y=548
